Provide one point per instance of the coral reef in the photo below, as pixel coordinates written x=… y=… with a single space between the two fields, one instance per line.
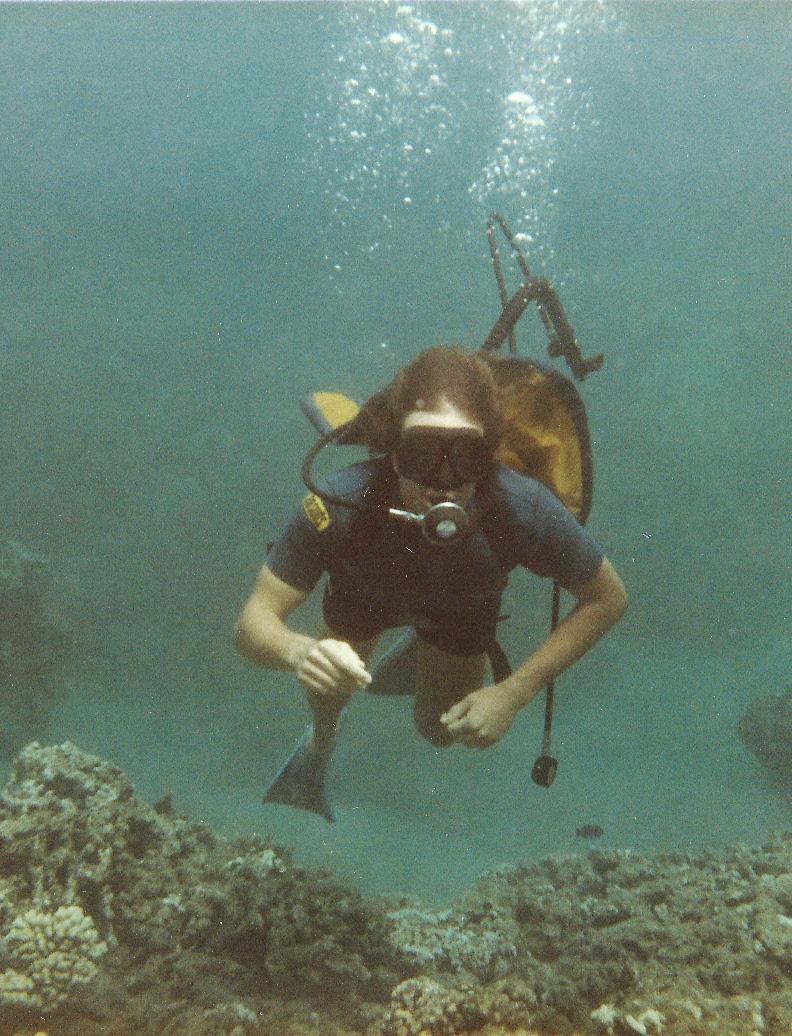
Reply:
x=618 y=929
x=117 y=917
x=766 y=729
x=181 y=912
x=31 y=647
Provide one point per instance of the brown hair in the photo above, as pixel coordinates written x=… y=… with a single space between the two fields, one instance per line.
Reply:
x=442 y=372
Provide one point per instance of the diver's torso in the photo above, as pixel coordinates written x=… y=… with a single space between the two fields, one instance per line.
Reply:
x=392 y=564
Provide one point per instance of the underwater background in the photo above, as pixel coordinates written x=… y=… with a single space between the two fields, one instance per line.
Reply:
x=210 y=210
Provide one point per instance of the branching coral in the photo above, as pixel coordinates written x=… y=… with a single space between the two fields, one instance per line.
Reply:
x=424 y=1007
x=52 y=953
x=452 y=942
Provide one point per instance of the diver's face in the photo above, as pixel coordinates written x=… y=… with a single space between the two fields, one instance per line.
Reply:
x=448 y=423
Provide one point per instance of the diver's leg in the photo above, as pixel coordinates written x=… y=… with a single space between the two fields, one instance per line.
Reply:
x=326 y=710
x=443 y=679
x=396 y=670
x=300 y=781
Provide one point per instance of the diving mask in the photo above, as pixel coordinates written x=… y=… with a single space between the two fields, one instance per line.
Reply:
x=442 y=458
x=446 y=464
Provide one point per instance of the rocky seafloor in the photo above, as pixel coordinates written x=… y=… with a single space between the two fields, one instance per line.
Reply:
x=121 y=918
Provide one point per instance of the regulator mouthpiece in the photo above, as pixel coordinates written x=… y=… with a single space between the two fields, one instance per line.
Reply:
x=442 y=524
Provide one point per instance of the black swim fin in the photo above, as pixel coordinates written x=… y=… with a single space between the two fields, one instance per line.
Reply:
x=300 y=782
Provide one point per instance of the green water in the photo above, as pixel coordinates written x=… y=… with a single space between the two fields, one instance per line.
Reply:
x=209 y=210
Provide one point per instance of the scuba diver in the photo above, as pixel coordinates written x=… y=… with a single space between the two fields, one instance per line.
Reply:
x=477 y=463
x=423 y=535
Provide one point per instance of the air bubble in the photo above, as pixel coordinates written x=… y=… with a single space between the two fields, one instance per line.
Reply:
x=396 y=67
x=518 y=97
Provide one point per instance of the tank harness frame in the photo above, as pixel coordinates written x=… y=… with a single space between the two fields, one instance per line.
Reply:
x=561 y=342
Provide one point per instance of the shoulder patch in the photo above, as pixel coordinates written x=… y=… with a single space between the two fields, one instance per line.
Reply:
x=316 y=512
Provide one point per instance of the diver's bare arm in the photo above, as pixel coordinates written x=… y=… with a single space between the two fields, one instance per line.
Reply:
x=601 y=603
x=261 y=632
x=325 y=667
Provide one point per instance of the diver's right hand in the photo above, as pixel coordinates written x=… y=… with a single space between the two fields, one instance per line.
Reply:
x=332 y=668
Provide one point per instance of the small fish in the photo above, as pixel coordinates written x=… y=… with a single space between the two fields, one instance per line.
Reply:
x=589 y=831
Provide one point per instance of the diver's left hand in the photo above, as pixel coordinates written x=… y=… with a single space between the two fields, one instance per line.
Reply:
x=482 y=717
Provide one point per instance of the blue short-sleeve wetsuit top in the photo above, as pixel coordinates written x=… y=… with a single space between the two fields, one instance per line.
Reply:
x=383 y=572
